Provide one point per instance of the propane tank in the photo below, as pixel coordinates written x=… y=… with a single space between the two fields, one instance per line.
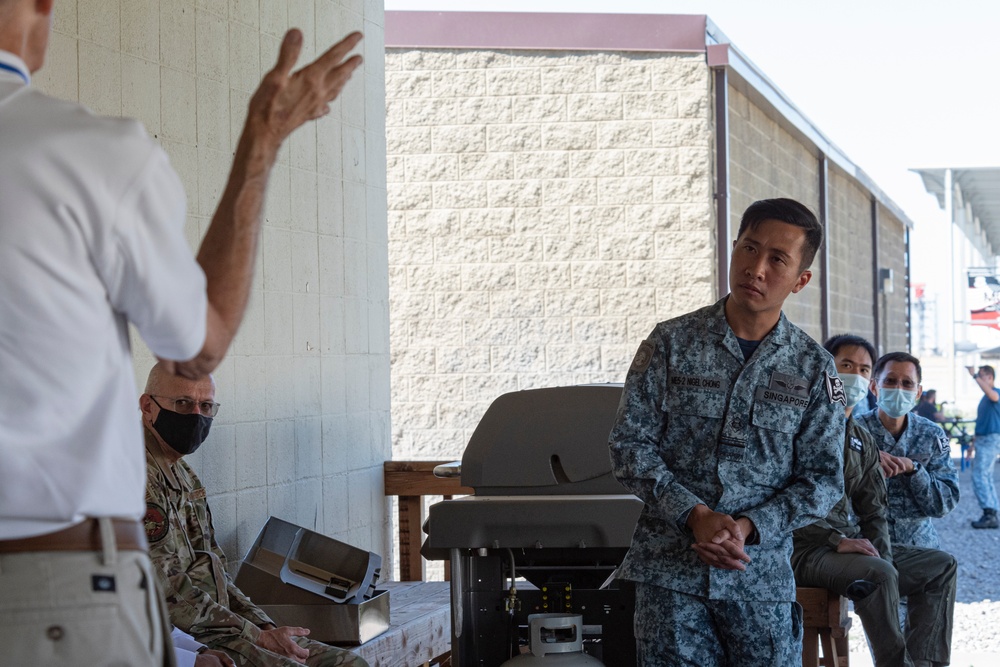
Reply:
x=556 y=641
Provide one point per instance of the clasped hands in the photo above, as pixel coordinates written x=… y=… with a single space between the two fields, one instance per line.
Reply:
x=719 y=538
x=895 y=465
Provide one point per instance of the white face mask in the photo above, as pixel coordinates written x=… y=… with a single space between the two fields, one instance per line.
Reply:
x=855 y=388
x=896 y=402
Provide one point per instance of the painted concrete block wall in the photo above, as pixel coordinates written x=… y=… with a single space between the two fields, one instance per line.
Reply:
x=767 y=161
x=546 y=210
x=850 y=257
x=892 y=255
x=304 y=425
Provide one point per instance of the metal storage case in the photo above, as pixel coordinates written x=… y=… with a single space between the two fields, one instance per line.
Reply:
x=302 y=578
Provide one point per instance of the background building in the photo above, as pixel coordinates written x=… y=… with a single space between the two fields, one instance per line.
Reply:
x=558 y=183
x=957 y=312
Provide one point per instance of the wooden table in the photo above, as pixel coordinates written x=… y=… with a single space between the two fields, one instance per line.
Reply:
x=419 y=626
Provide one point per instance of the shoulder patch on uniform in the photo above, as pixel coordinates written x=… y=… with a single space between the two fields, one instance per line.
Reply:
x=944 y=442
x=856 y=444
x=835 y=389
x=643 y=357
x=155 y=523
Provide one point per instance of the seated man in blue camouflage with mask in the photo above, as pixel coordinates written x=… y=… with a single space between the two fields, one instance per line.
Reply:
x=915 y=453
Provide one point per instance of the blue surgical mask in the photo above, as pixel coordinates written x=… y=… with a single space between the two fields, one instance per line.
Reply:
x=855 y=388
x=896 y=402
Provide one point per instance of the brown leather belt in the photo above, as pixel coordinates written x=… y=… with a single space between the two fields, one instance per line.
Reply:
x=84 y=536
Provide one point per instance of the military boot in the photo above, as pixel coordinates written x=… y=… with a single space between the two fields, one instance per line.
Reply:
x=987 y=520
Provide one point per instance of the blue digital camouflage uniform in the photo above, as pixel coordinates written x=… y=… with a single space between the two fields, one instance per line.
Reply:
x=760 y=439
x=930 y=491
x=201 y=597
x=927 y=577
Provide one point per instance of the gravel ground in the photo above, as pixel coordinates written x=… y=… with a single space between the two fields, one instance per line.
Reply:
x=976 y=638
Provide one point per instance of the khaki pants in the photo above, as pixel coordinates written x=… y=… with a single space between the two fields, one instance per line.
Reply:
x=87 y=608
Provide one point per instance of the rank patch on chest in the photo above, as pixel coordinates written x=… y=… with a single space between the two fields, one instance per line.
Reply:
x=835 y=389
x=789 y=384
x=856 y=444
x=643 y=357
x=198 y=494
x=155 y=523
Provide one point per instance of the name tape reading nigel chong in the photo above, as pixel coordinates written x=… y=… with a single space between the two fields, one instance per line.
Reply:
x=696 y=382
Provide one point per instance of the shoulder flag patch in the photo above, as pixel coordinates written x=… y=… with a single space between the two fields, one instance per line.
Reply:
x=643 y=357
x=835 y=389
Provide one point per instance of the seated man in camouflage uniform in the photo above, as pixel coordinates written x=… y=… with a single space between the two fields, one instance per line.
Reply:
x=922 y=482
x=201 y=597
x=849 y=551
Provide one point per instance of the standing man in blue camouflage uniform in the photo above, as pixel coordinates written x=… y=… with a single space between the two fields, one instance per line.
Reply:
x=849 y=551
x=730 y=430
x=986 y=446
x=915 y=453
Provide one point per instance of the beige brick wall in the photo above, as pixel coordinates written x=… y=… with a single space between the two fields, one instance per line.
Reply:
x=767 y=161
x=546 y=210
x=850 y=257
x=892 y=255
x=304 y=426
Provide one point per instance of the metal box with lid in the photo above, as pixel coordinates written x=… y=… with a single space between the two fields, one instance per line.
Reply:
x=301 y=578
x=548 y=517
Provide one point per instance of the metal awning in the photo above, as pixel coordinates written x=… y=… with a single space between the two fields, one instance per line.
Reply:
x=976 y=202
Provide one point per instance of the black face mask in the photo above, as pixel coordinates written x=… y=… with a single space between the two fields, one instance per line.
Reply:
x=184 y=433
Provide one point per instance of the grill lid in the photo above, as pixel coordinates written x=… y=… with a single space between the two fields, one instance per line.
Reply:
x=545 y=441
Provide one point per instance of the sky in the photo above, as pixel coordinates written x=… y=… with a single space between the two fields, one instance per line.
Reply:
x=896 y=84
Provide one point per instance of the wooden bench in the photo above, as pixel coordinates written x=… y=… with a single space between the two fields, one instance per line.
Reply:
x=826 y=624
x=419 y=627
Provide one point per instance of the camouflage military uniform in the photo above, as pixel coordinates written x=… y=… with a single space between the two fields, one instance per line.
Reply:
x=757 y=438
x=930 y=491
x=926 y=576
x=201 y=597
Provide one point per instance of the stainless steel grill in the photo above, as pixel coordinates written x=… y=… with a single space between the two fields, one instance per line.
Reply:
x=548 y=515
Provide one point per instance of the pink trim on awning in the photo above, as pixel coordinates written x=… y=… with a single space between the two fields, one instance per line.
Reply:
x=546 y=31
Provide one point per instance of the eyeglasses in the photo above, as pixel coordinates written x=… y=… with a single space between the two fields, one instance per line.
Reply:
x=186 y=406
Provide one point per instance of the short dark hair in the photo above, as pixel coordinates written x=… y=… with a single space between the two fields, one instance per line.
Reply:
x=834 y=343
x=930 y=395
x=791 y=212
x=900 y=357
x=989 y=369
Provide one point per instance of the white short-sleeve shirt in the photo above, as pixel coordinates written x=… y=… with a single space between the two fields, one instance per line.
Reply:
x=91 y=238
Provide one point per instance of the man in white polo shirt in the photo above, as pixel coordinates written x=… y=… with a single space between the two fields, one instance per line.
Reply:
x=91 y=238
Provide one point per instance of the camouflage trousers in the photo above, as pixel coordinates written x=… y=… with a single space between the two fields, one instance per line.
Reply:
x=245 y=654
x=674 y=629
x=926 y=577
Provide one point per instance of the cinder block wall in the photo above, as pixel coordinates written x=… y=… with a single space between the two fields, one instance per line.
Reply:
x=892 y=255
x=546 y=210
x=768 y=161
x=850 y=257
x=304 y=426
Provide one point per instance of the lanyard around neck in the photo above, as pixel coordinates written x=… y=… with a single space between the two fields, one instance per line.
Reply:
x=15 y=70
